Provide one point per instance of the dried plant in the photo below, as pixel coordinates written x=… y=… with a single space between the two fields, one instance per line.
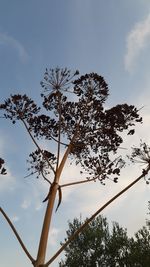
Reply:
x=81 y=128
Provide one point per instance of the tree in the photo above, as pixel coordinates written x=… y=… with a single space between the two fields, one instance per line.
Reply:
x=101 y=245
x=140 y=248
x=81 y=128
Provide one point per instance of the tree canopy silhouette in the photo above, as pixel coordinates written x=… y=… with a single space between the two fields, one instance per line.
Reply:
x=104 y=245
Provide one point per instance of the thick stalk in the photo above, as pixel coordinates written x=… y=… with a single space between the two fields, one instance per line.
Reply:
x=63 y=161
x=50 y=206
x=46 y=226
x=48 y=214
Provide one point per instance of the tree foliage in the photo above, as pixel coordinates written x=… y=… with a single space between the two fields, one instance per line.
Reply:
x=101 y=245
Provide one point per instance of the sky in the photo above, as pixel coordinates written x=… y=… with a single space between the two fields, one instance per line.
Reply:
x=111 y=38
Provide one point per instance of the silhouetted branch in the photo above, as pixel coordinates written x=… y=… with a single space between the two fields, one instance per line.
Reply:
x=46 y=178
x=79 y=182
x=62 y=143
x=34 y=141
x=59 y=131
x=17 y=235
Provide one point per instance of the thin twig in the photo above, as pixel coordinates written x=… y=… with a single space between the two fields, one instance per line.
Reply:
x=59 y=132
x=33 y=139
x=17 y=235
x=79 y=182
x=62 y=143
x=46 y=178
x=87 y=180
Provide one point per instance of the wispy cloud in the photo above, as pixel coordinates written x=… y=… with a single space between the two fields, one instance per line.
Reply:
x=6 y=39
x=15 y=218
x=52 y=240
x=25 y=204
x=137 y=40
x=7 y=182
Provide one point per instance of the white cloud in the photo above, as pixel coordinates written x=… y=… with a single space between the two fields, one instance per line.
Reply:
x=25 y=204
x=6 y=39
x=7 y=182
x=52 y=239
x=14 y=218
x=137 y=40
x=38 y=206
x=33 y=197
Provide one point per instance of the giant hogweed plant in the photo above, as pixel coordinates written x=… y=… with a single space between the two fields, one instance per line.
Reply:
x=83 y=131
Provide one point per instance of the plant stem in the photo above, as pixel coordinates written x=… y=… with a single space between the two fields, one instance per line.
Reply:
x=59 y=133
x=46 y=226
x=50 y=206
x=17 y=235
x=34 y=141
x=48 y=214
x=79 y=182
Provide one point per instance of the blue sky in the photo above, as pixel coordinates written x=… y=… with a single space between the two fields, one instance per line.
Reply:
x=111 y=38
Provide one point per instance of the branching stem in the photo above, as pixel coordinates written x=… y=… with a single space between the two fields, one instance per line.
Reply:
x=79 y=182
x=34 y=141
x=59 y=132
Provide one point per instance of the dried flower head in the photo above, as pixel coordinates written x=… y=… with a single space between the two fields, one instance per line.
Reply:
x=57 y=79
x=2 y=169
x=38 y=163
x=19 y=107
x=141 y=155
